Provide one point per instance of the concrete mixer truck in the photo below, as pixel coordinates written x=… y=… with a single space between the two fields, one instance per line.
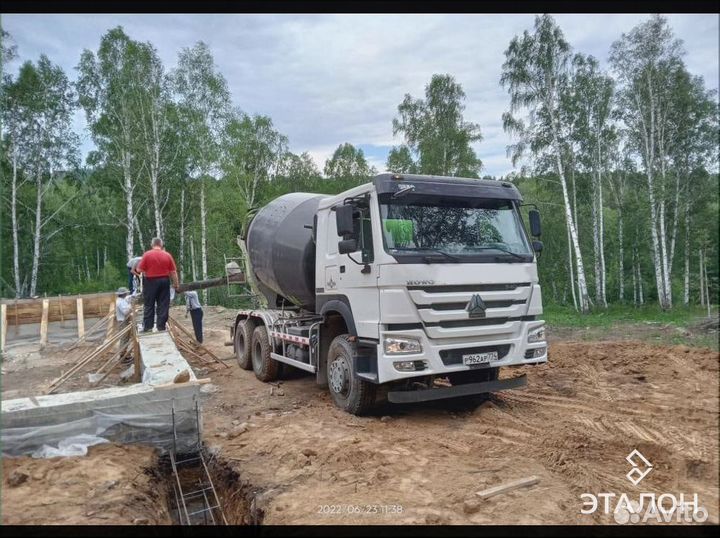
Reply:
x=408 y=288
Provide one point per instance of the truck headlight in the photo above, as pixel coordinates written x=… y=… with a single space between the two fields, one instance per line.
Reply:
x=399 y=346
x=536 y=335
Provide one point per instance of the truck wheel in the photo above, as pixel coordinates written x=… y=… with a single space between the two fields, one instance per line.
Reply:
x=349 y=392
x=243 y=342
x=265 y=367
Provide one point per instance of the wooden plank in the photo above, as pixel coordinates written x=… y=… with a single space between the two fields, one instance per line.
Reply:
x=3 y=326
x=80 y=317
x=17 y=324
x=62 y=315
x=44 y=323
x=111 y=323
x=201 y=381
x=96 y=325
x=83 y=362
x=136 y=349
x=507 y=487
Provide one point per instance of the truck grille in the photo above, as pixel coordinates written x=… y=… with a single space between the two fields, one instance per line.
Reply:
x=442 y=308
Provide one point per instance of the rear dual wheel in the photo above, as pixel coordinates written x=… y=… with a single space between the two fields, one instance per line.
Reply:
x=243 y=343
x=265 y=367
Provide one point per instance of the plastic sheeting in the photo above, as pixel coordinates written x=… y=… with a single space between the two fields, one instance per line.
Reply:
x=167 y=419
x=71 y=446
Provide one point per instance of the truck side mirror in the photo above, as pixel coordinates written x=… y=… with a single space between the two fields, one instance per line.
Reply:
x=537 y=246
x=347 y=246
x=535 y=228
x=344 y=220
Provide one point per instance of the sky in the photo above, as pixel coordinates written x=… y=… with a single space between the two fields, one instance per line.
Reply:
x=330 y=79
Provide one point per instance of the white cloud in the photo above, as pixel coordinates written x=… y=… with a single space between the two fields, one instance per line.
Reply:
x=329 y=79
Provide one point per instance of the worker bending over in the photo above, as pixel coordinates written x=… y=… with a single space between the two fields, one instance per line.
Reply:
x=159 y=270
x=123 y=307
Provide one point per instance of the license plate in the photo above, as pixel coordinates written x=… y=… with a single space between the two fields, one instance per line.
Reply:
x=480 y=358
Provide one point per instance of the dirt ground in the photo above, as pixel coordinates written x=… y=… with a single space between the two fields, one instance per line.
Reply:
x=581 y=415
x=300 y=460
x=112 y=485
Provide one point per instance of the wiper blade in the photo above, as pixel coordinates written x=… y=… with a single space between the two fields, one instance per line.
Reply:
x=506 y=251
x=446 y=254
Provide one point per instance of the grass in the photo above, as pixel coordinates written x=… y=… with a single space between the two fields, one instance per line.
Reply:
x=648 y=323
x=564 y=316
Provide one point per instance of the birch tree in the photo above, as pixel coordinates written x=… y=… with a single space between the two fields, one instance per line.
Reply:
x=108 y=86
x=535 y=72
x=644 y=60
x=205 y=104
x=155 y=108
x=254 y=152
x=693 y=121
x=40 y=108
x=591 y=104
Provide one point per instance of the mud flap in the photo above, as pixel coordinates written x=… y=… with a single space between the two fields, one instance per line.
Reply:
x=411 y=396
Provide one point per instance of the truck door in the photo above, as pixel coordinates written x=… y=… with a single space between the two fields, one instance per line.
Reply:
x=354 y=275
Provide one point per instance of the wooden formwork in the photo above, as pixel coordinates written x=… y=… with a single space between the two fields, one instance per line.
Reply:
x=16 y=312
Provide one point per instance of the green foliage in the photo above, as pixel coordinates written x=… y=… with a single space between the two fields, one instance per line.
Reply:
x=348 y=163
x=238 y=162
x=436 y=133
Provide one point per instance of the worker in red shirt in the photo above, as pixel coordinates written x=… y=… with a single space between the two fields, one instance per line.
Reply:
x=158 y=267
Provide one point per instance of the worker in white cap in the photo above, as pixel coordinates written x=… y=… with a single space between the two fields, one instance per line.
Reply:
x=123 y=307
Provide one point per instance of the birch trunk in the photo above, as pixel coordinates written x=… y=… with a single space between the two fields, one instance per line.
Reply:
x=634 y=280
x=570 y=267
x=686 y=279
x=640 y=283
x=182 y=235
x=707 y=285
x=15 y=230
x=140 y=235
x=700 y=274
x=129 y=211
x=596 y=241
x=603 y=273
x=203 y=236
x=582 y=285
x=664 y=252
x=621 y=268
x=37 y=234
x=192 y=259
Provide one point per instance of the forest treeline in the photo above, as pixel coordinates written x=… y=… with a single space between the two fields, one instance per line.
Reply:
x=623 y=164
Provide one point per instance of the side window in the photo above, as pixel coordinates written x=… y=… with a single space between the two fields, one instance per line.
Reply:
x=332 y=236
x=363 y=231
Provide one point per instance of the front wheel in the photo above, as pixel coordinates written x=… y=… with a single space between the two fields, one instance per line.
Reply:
x=349 y=392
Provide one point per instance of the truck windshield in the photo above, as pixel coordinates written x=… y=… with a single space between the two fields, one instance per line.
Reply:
x=468 y=229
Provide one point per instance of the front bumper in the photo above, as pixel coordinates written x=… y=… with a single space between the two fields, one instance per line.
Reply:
x=516 y=339
x=412 y=396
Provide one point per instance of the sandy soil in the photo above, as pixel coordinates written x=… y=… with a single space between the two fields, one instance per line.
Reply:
x=298 y=459
x=582 y=414
x=112 y=485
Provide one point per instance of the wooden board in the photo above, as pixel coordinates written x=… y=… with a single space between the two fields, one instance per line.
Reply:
x=79 y=311
x=507 y=487
x=3 y=326
x=44 y=323
x=26 y=311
